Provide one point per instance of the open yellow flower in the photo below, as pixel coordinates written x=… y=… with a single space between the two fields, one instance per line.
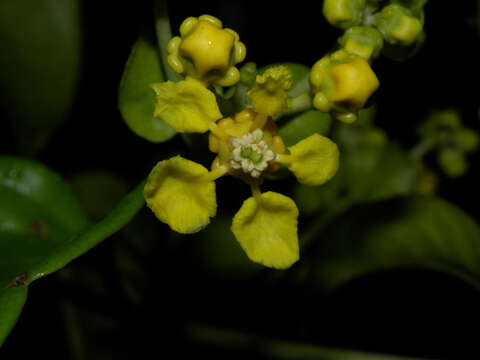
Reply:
x=206 y=51
x=181 y=193
x=342 y=83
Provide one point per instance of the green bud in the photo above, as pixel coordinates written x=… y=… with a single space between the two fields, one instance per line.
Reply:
x=364 y=41
x=453 y=162
x=467 y=139
x=397 y=25
x=248 y=73
x=344 y=13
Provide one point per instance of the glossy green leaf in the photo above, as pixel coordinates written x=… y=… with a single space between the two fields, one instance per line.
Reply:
x=368 y=173
x=38 y=212
x=11 y=304
x=77 y=245
x=40 y=43
x=412 y=232
x=136 y=100
x=98 y=192
x=302 y=126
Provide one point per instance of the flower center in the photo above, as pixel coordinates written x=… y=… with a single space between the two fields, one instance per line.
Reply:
x=251 y=153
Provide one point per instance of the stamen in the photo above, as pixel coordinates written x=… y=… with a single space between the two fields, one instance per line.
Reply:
x=251 y=153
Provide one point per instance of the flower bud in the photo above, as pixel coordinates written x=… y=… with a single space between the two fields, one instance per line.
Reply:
x=343 y=13
x=397 y=25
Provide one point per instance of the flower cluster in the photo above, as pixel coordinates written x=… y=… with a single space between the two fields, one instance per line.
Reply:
x=181 y=192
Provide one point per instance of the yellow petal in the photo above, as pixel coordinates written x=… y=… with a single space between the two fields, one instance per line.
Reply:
x=181 y=194
x=266 y=228
x=186 y=106
x=314 y=160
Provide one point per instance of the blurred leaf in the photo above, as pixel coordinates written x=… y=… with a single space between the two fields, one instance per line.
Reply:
x=217 y=250
x=77 y=245
x=136 y=99
x=39 y=66
x=98 y=192
x=369 y=173
x=414 y=232
x=11 y=303
x=38 y=212
x=255 y=345
x=301 y=126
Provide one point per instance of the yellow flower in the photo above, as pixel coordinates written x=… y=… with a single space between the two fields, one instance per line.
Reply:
x=342 y=83
x=269 y=94
x=206 y=51
x=181 y=193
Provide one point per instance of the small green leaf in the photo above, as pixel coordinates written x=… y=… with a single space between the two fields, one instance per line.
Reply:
x=136 y=99
x=302 y=126
x=414 y=232
x=11 y=303
x=39 y=66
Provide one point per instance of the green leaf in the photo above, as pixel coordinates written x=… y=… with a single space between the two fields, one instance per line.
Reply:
x=11 y=303
x=37 y=213
x=98 y=192
x=299 y=127
x=413 y=232
x=77 y=245
x=136 y=100
x=39 y=66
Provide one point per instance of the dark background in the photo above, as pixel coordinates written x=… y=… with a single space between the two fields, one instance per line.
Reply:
x=413 y=313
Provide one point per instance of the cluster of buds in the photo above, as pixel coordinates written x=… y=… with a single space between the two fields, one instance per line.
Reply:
x=247 y=144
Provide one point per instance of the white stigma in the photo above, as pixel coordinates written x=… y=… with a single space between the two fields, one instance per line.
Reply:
x=250 y=153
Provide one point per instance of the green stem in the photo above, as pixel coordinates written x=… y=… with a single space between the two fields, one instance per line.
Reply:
x=80 y=244
x=273 y=348
x=164 y=34
x=298 y=104
x=422 y=148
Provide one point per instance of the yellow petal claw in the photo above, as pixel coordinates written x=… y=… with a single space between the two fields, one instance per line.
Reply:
x=181 y=194
x=313 y=160
x=266 y=228
x=186 y=106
